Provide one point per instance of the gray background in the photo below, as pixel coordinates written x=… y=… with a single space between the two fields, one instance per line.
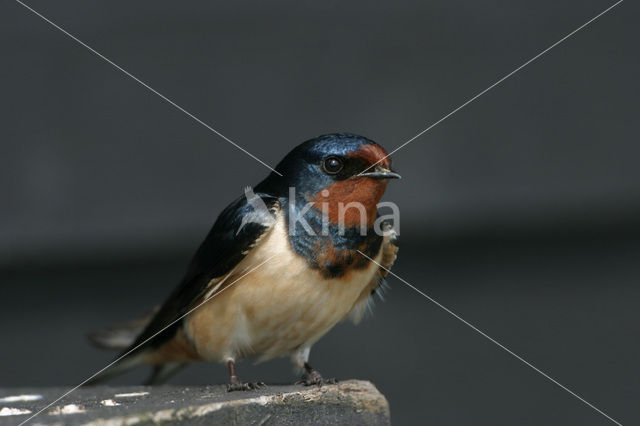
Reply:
x=520 y=212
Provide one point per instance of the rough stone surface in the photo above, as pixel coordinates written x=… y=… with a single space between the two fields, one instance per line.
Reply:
x=352 y=402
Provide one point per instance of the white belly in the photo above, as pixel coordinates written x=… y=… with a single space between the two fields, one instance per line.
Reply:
x=280 y=306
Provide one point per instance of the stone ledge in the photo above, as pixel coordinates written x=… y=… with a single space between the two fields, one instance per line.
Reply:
x=353 y=402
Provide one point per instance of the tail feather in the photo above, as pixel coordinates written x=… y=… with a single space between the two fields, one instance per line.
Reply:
x=120 y=336
x=128 y=363
x=161 y=373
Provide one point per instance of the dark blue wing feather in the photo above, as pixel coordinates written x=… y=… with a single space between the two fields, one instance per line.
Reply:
x=222 y=249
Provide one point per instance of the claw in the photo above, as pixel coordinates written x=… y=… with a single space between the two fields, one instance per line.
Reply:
x=315 y=378
x=235 y=384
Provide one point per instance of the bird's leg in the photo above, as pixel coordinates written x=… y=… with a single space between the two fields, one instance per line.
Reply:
x=234 y=381
x=313 y=377
x=235 y=384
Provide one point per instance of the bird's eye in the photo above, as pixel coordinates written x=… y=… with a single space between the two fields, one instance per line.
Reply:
x=332 y=165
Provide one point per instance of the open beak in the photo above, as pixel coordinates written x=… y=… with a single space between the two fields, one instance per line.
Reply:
x=380 y=172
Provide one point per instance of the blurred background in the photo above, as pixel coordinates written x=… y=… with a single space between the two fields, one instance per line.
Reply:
x=521 y=212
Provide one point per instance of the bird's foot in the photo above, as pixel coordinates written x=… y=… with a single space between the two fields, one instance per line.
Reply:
x=314 y=377
x=235 y=384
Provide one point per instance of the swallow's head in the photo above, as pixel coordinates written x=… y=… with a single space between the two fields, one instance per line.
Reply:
x=338 y=168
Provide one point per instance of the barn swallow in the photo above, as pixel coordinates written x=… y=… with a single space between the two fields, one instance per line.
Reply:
x=311 y=273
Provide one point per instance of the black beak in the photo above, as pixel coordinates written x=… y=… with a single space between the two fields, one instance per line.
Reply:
x=380 y=172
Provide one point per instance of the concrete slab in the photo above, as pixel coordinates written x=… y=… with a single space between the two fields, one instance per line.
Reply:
x=353 y=402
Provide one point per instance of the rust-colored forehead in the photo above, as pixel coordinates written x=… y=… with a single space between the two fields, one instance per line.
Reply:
x=372 y=154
